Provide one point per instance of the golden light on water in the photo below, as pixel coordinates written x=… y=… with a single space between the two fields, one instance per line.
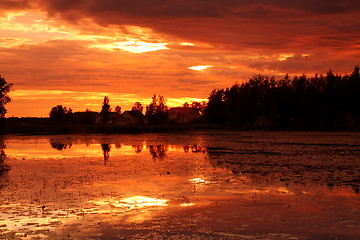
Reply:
x=141 y=201
x=283 y=190
x=199 y=181
x=187 y=204
x=134 y=202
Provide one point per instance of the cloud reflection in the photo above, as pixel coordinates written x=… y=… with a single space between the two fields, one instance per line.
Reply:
x=141 y=202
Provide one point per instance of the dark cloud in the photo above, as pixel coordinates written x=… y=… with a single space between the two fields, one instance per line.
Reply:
x=199 y=8
x=232 y=24
x=13 y=5
x=304 y=64
x=320 y=6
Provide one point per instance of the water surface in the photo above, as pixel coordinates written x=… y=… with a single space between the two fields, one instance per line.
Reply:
x=197 y=185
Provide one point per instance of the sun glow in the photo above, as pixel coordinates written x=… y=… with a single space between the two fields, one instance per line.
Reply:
x=187 y=44
x=176 y=102
x=134 y=46
x=284 y=57
x=24 y=26
x=200 y=67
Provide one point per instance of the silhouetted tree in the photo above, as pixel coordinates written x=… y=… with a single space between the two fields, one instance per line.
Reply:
x=105 y=110
x=137 y=107
x=60 y=114
x=214 y=113
x=118 y=109
x=156 y=111
x=353 y=90
x=200 y=107
x=4 y=99
x=309 y=103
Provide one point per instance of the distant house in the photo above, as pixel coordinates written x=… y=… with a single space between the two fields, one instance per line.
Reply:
x=134 y=118
x=261 y=121
x=114 y=118
x=86 y=117
x=183 y=114
x=127 y=118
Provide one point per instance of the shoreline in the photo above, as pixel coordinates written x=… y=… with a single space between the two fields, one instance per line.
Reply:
x=43 y=126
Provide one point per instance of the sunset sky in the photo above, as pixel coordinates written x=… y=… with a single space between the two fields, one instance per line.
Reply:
x=74 y=52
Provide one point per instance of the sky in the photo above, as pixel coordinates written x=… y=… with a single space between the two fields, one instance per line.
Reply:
x=75 y=52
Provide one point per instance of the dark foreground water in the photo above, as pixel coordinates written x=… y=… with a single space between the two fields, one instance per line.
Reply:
x=197 y=185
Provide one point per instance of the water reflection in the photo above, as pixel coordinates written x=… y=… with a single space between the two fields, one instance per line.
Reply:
x=181 y=183
x=137 y=148
x=106 y=150
x=158 y=152
x=194 y=149
x=60 y=146
x=262 y=168
x=3 y=167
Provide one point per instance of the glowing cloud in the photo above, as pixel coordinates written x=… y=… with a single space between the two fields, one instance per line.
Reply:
x=134 y=46
x=187 y=44
x=175 y=102
x=200 y=67
x=32 y=27
x=284 y=57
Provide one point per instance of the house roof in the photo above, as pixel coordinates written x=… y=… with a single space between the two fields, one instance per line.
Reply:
x=134 y=114
x=182 y=110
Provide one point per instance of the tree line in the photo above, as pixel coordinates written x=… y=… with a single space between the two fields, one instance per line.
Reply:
x=4 y=99
x=156 y=112
x=330 y=101
x=318 y=102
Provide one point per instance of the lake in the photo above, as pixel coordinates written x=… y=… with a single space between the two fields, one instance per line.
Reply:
x=192 y=185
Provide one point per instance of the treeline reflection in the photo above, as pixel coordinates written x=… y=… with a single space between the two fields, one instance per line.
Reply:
x=3 y=167
x=258 y=166
x=60 y=146
x=156 y=151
